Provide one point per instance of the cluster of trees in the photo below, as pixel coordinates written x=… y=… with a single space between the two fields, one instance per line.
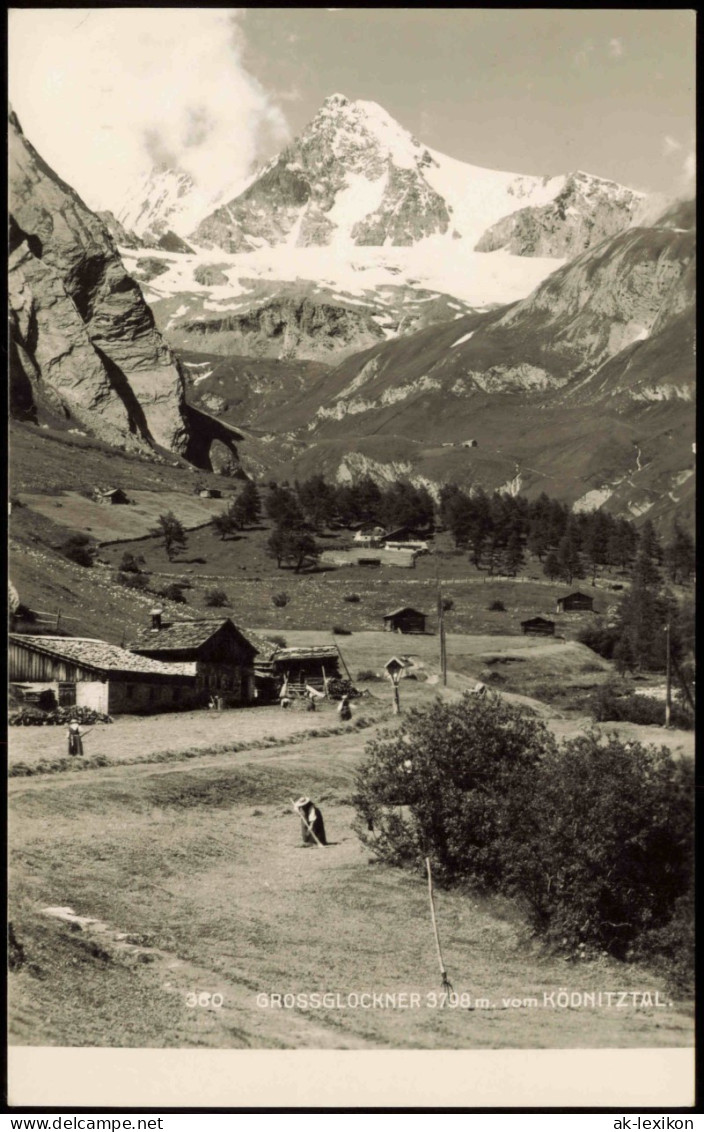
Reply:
x=498 y=529
x=398 y=505
x=594 y=837
x=291 y=541
x=244 y=511
x=638 y=637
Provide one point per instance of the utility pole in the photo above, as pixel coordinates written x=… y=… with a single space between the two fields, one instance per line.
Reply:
x=441 y=629
x=668 y=675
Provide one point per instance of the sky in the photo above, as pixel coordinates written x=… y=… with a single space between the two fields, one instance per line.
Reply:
x=105 y=93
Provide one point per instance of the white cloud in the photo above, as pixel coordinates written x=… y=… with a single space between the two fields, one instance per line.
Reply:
x=104 y=93
x=689 y=173
x=616 y=48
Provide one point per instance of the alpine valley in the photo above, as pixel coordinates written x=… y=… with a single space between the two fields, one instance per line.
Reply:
x=366 y=305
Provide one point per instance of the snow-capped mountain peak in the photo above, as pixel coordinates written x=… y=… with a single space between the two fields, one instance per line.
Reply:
x=355 y=176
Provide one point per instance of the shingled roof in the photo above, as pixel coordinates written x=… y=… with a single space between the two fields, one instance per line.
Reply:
x=308 y=652
x=99 y=655
x=182 y=636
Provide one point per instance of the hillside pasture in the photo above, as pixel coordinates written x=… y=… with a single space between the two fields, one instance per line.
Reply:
x=198 y=882
x=125 y=521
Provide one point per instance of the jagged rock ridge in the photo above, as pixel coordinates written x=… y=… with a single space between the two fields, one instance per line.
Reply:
x=83 y=341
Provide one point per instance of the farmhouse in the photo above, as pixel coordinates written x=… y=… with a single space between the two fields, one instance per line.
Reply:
x=218 y=655
x=85 y=672
x=538 y=626
x=469 y=443
x=575 y=603
x=370 y=536
x=110 y=495
x=404 y=620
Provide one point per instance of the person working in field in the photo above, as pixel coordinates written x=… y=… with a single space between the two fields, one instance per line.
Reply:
x=345 y=711
x=75 y=738
x=312 y=824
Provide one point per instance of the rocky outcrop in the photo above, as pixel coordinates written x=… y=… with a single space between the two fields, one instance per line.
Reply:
x=586 y=211
x=83 y=340
x=409 y=211
x=121 y=235
x=283 y=328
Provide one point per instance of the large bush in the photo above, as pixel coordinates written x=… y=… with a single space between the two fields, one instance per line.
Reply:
x=79 y=549
x=452 y=782
x=594 y=837
x=609 y=704
x=606 y=851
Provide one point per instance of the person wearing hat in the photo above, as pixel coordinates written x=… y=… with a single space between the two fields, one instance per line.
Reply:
x=344 y=710
x=312 y=824
x=75 y=738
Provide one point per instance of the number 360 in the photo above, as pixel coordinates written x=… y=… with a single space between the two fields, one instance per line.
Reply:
x=204 y=998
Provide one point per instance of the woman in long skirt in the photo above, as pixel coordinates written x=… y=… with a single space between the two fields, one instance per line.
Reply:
x=75 y=738
x=311 y=822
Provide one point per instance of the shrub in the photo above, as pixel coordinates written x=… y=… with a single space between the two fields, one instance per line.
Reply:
x=669 y=949
x=276 y=639
x=216 y=598
x=606 y=849
x=77 y=548
x=453 y=782
x=366 y=675
x=131 y=564
x=132 y=581
x=340 y=631
x=280 y=600
x=594 y=837
x=352 y=598
x=173 y=592
x=607 y=705
x=497 y=607
x=600 y=638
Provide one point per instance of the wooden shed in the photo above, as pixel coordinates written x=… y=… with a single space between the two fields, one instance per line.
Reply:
x=110 y=495
x=85 y=672
x=404 y=620
x=311 y=665
x=538 y=626
x=575 y=603
x=220 y=656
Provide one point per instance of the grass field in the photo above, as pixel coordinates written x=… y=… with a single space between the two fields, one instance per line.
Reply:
x=190 y=878
x=199 y=884
x=125 y=521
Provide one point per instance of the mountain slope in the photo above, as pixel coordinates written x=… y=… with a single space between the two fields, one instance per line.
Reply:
x=584 y=388
x=83 y=341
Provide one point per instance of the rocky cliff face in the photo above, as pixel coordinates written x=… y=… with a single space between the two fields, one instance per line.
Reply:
x=83 y=341
x=283 y=328
x=586 y=211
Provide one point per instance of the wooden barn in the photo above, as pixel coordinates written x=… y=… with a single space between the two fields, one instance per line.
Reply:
x=538 y=627
x=575 y=603
x=311 y=665
x=219 y=655
x=110 y=495
x=84 y=672
x=404 y=620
